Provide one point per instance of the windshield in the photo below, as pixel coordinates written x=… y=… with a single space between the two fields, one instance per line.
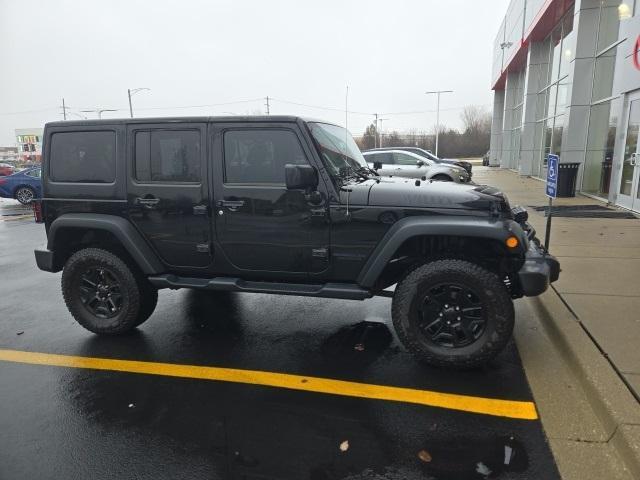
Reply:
x=338 y=150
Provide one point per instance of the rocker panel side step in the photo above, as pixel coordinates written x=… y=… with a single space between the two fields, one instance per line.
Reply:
x=328 y=290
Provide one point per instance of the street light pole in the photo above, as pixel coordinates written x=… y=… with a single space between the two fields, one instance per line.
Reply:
x=380 y=120
x=438 y=92
x=130 y=93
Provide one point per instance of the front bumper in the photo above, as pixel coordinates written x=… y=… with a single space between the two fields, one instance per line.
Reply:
x=45 y=260
x=538 y=271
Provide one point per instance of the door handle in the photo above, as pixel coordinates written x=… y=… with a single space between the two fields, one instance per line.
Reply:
x=200 y=210
x=231 y=203
x=150 y=202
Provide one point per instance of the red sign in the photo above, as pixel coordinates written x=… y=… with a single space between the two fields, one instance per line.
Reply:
x=636 y=53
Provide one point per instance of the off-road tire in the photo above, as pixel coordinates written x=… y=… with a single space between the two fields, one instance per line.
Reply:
x=135 y=308
x=499 y=318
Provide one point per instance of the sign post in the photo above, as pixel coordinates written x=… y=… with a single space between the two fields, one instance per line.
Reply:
x=552 y=192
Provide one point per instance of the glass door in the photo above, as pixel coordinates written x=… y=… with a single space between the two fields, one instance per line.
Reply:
x=628 y=191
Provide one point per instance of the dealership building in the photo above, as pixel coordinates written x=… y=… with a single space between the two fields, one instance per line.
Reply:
x=566 y=81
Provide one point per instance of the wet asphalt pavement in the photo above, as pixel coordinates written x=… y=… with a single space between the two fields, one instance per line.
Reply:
x=63 y=423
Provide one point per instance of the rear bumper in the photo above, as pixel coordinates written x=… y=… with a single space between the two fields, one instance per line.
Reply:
x=538 y=271
x=44 y=260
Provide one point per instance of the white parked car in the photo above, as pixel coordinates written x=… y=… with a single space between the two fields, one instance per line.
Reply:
x=399 y=163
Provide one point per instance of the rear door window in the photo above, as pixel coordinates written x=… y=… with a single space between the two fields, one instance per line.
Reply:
x=404 y=159
x=83 y=157
x=168 y=156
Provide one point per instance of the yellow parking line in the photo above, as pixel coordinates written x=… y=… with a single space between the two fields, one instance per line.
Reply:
x=465 y=403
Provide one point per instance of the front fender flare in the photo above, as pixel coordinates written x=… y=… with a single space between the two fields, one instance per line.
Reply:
x=121 y=228
x=406 y=228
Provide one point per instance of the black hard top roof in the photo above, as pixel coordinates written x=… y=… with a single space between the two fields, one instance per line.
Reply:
x=201 y=119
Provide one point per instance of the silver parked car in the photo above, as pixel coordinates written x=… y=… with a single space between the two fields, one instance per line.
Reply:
x=407 y=164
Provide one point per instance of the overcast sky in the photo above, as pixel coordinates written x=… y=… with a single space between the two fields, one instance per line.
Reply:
x=193 y=53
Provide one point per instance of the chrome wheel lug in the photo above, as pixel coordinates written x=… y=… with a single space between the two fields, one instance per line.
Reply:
x=459 y=318
x=446 y=305
x=440 y=314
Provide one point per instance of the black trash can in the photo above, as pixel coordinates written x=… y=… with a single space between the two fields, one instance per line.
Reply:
x=567 y=175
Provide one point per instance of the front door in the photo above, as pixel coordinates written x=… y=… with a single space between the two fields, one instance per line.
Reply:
x=167 y=190
x=262 y=228
x=628 y=190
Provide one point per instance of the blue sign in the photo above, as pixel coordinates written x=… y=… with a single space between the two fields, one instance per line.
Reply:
x=552 y=175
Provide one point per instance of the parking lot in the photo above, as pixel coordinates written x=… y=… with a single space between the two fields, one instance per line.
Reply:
x=67 y=414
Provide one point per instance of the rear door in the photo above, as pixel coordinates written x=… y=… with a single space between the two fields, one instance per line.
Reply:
x=167 y=190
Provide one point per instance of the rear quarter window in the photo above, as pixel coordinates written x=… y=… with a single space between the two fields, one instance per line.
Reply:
x=83 y=157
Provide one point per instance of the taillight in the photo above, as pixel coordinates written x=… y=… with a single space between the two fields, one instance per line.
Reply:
x=37 y=211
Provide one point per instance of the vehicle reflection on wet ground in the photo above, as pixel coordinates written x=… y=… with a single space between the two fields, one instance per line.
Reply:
x=62 y=422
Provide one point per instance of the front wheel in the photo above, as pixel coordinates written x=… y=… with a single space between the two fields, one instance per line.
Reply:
x=25 y=195
x=442 y=178
x=453 y=313
x=104 y=294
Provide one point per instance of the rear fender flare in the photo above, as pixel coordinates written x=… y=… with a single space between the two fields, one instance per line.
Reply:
x=121 y=228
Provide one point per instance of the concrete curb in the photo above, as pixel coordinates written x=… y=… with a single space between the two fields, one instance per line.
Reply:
x=607 y=394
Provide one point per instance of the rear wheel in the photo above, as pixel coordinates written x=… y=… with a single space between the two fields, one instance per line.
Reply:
x=453 y=313
x=25 y=195
x=104 y=294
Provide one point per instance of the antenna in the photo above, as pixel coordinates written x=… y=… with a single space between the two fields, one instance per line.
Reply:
x=267 y=104
x=346 y=121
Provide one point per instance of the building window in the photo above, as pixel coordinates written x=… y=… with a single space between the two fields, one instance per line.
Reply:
x=603 y=113
x=603 y=120
x=554 y=96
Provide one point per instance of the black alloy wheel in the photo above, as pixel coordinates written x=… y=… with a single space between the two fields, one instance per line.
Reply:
x=100 y=292
x=451 y=315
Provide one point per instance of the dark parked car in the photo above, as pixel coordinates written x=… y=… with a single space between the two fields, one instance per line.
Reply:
x=24 y=186
x=428 y=155
x=278 y=205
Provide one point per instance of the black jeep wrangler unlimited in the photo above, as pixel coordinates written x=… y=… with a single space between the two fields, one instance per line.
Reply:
x=280 y=205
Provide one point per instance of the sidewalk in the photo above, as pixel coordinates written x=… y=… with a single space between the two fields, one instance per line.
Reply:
x=600 y=284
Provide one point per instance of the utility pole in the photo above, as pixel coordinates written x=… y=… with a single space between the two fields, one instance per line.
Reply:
x=438 y=92
x=267 y=104
x=381 y=120
x=64 y=110
x=132 y=92
x=375 y=137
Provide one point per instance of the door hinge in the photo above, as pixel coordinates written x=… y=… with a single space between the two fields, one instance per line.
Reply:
x=203 y=248
x=320 y=252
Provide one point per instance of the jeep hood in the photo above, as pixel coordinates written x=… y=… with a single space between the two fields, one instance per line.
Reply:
x=404 y=192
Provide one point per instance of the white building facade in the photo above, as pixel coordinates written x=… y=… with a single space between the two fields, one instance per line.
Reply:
x=566 y=80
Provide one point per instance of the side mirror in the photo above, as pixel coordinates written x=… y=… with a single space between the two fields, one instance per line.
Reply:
x=420 y=163
x=377 y=165
x=300 y=177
